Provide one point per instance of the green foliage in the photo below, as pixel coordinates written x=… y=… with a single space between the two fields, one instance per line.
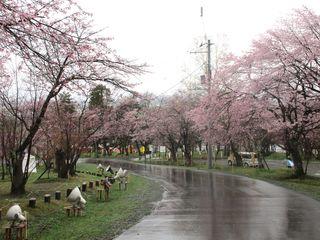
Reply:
x=99 y=97
x=65 y=103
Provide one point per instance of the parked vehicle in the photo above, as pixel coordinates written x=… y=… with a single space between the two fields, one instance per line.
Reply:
x=249 y=159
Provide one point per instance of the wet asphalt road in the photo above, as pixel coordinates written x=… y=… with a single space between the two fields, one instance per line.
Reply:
x=201 y=205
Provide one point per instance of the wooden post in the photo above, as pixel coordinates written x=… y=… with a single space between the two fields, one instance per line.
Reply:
x=32 y=202
x=7 y=234
x=26 y=225
x=47 y=198
x=20 y=231
x=79 y=211
x=0 y=214
x=106 y=193
x=97 y=183
x=125 y=185
x=91 y=184
x=84 y=187
x=99 y=194
x=69 y=191
x=57 y=195
x=120 y=183
x=68 y=211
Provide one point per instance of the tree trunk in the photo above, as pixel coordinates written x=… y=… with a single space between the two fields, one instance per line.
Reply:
x=307 y=155
x=138 y=148
x=3 y=169
x=173 y=154
x=187 y=155
x=217 y=153
x=146 y=147
x=318 y=154
x=296 y=158
x=109 y=151
x=226 y=151
x=292 y=145
x=73 y=163
x=62 y=166
x=18 y=182
x=236 y=154
x=72 y=168
x=96 y=149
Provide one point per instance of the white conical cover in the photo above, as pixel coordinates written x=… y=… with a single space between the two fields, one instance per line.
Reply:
x=125 y=173
x=99 y=166
x=76 y=197
x=107 y=169
x=82 y=201
x=122 y=173
x=15 y=213
x=119 y=173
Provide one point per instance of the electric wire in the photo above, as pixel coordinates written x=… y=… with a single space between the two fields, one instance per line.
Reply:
x=177 y=84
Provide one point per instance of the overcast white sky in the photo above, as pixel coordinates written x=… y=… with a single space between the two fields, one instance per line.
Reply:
x=162 y=33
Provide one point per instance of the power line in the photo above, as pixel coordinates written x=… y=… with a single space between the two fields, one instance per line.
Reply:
x=180 y=82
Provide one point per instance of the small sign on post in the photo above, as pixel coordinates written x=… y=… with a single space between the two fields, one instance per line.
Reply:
x=203 y=79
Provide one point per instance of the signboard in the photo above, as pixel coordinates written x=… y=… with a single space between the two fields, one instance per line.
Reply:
x=162 y=149
x=142 y=149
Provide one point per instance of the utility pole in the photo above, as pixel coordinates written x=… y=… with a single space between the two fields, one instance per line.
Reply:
x=209 y=91
x=208 y=73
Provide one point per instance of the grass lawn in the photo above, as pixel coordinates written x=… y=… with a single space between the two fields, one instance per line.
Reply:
x=101 y=220
x=276 y=156
x=113 y=156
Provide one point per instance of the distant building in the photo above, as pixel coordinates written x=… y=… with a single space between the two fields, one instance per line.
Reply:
x=277 y=148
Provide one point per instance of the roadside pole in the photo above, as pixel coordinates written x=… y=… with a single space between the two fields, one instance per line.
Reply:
x=208 y=73
x=209 y=91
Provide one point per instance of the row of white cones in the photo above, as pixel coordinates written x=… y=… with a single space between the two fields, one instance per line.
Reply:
x=14 y=213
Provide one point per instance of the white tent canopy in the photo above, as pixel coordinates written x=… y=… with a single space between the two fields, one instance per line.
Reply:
x=32 y=164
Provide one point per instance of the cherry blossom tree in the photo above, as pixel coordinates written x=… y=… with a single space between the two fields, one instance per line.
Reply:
x=273 y=90
x=68 y=127
x=56 y=43
x=283 y=67
x=171 y=125
x=165 y=129
x=119 y=124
